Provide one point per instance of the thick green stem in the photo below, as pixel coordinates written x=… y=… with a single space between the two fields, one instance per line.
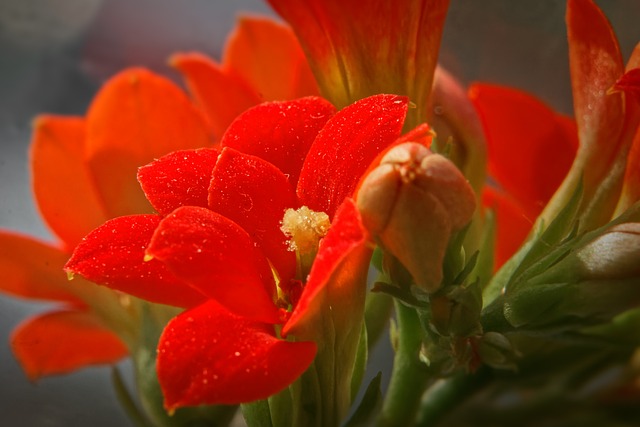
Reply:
x=410 y=375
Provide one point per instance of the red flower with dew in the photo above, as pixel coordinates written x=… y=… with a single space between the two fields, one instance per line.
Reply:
x=217 y=248
x=83 y=171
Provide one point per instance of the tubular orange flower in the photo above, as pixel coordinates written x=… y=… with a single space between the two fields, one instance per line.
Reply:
x=218 y=232
x=357 y=49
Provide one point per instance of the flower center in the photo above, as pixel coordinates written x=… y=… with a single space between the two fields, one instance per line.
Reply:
x=304 y=228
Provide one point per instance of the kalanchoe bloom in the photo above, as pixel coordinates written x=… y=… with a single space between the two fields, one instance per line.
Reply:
x=218 y=235
x=412 y=203
x=358 y=49
x=137 y=116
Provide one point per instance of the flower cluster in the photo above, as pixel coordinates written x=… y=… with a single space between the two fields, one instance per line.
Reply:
x=227 y=241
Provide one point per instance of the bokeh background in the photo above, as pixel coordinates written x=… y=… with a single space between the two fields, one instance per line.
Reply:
x=54 y=54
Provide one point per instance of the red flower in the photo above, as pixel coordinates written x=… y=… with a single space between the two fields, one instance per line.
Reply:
x=535 y=153
x=84 y=170
x=216 y=247
x=358 y=49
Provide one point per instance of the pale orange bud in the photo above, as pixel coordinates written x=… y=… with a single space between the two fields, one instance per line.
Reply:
x=412 y=203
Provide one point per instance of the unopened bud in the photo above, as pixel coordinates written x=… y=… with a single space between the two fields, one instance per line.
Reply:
x=614 y=255
x=412 y=203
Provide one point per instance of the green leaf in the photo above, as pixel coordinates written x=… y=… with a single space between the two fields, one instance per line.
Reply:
x=369 y=405
x=360 y=364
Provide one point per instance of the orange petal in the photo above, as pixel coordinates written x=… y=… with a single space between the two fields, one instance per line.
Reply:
x=32 y=269
x=530 y=147
x=62 y=342
x=63 y=189
x=137 y=116
x=221 y=94
x=267 y=56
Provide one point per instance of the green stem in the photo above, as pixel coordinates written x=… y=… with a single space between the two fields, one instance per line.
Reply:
x=410 y=375
x=376 y=315
x=445 y=395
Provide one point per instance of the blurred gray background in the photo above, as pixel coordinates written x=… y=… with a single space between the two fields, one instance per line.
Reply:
x=54 y=54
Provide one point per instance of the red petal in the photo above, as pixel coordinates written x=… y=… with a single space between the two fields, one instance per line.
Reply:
x=32 y=269
x=217 y=257
x=596 y=64
x=60 y=174
x=267 y=56
x=512 y=224
x=207 y=355
x=345 y=148
x=136 y=118
x=337 y=282
x=630 y=83
x=280 y=132
x=220 y=93
x=524 y=138
x=631 y=188
x=254 y=193
x=181 y=178
x=62 y=342
x=113 y=255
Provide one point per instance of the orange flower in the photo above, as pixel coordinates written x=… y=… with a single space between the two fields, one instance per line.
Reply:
x=84 y=172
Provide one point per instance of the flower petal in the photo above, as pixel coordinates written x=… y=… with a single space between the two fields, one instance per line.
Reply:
x=217 y=257
x=220 y=93
x=512 y=224
x=113 y=255
x=254 y=194
x=64 y=341
x=596 y=64
x=345 y=148
x=524 y=137
x=267 y=56
x=60 y=175
x=358 y=49
x=280 y=132
x=337 y=282
x=180 y=178
x=32 y=269
x=208 y=355
x=137 y=117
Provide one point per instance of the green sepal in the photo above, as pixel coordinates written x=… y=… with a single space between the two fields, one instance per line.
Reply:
x=257 y=414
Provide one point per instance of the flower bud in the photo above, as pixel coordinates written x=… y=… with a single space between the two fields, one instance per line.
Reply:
x=614 y=255
x=411 y=203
